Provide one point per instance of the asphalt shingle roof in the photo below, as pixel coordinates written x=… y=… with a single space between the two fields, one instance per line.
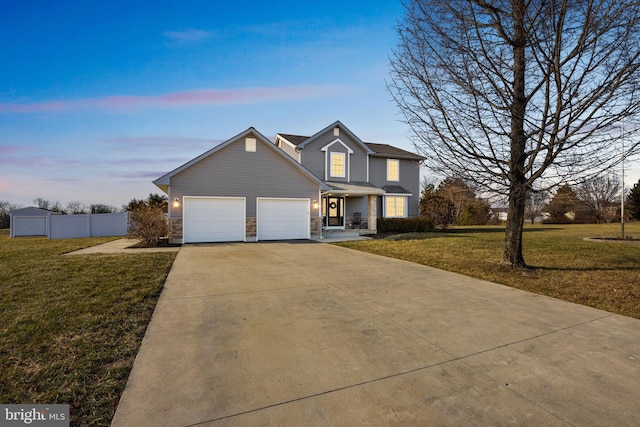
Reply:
x=294 y=139
x=381 y=150
x=395 y=189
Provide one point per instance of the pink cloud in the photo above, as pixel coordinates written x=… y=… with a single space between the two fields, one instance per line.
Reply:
x=5 y=150
x=177 y=99
x=4 y=185
x=162 y=141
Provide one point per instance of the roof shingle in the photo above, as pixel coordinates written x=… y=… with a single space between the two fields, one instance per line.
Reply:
x=381 y=150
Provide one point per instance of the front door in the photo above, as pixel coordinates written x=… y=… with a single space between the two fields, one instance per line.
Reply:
x=333 y=211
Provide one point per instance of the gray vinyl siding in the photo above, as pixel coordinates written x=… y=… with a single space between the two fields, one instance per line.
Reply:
x=314 y=159
x=409 y=179
x=356 y=204
x=290 y=151
x=233 y=172
x=378 y=171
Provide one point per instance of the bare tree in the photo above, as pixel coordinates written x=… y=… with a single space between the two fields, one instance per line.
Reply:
x=5 y=208
x=600 y=194
x=76 y=208
x=535 y=205
x=509 y=93
x=42 y=203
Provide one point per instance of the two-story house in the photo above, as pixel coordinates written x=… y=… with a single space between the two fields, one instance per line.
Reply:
x=249 y=188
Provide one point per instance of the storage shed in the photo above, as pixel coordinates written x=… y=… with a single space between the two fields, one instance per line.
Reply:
x=29 y=221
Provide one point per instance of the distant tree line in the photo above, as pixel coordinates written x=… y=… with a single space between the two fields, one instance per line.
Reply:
x=76 y=207
x=455 y=201
x=597 y=200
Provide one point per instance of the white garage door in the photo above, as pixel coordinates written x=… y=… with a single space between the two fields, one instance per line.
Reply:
x=213 y=219
x=280 y=219
x=29 y=226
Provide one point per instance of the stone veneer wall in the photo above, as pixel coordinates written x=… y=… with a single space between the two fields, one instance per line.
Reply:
x=373 y=213
x=175 y=230
x=251 y=227
x=316 y=226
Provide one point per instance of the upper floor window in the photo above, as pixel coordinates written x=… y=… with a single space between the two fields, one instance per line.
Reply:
x=338 y=164
x=393 y=170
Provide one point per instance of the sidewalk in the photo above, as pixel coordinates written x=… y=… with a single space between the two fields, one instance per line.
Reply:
x=121 y=246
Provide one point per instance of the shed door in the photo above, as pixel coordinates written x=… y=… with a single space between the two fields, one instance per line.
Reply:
x=213 y=219
x=283 y=219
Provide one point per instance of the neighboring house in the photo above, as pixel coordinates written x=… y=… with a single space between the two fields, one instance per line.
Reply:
x=499 y=214
x=249 y=188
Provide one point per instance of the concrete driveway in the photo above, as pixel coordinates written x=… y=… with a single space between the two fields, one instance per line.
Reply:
x=292 y=334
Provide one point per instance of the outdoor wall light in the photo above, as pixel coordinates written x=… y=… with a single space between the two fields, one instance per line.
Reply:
x=176 y=203
x=315 y=204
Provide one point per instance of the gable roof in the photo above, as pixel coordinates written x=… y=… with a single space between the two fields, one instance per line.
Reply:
x=164 y=181
x=373 y=149
x=32 y=211
x=337 y=123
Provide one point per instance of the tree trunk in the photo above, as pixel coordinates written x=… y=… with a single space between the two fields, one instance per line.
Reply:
x=517 y=180
x=515 y=225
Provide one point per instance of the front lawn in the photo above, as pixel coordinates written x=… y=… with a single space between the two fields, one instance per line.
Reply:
x=71 y=325
x=564 y=265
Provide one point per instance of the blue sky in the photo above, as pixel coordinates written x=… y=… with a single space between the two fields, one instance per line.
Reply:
x=99 y=98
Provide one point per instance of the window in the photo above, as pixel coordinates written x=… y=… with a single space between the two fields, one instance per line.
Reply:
x=250 y=145
x=393 y=170
x=395 y=207
x=338 y=164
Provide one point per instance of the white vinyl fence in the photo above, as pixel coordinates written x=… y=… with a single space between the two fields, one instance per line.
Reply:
x=71 y=226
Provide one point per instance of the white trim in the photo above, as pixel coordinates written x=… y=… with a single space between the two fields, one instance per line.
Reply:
x=368 y=180
x=406 y=205
x=337 y=140
x=288 y=199
x=398 y=163
x=343 y=130
x=281 y=139
x=347 y=163
x=344 y=164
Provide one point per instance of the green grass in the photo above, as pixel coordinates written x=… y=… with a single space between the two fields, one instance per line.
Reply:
x=564 y=265
x=71 y=326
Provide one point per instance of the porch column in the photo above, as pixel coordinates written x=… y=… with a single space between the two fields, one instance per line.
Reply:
x=373 y=213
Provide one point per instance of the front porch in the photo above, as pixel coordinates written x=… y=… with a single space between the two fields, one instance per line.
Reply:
x=349 y=206
x=345 y=235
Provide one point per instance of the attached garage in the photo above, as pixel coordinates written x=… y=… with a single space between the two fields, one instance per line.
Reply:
x=283 y=219
x=214 y=219
x=244 y=189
